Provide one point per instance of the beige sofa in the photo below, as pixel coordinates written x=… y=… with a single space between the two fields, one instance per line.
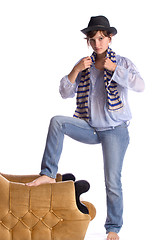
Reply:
x=46 y=212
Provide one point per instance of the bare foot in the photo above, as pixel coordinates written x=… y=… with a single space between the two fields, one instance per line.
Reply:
x=112 y=236
x=41 y=180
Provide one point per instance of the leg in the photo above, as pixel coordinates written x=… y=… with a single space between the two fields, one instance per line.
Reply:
x=114 y=145
x=60 y=126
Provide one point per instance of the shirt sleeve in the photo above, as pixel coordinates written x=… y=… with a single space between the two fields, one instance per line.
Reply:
x=127 y=75
x=68 y=89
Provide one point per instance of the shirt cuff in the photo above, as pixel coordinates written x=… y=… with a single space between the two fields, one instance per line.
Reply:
x=67 y=83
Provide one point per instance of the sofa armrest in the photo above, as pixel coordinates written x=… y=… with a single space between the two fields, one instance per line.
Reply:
x=91 y=209
x=26 y=178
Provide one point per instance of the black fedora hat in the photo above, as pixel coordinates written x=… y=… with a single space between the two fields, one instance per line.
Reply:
x=99 y=23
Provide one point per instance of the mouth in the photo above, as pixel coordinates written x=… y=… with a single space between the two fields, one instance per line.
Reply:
x=97 y=49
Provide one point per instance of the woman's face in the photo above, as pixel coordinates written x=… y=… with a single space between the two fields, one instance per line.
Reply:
x=99 y=43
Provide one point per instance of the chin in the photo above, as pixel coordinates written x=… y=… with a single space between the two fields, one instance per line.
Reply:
x=100 y=52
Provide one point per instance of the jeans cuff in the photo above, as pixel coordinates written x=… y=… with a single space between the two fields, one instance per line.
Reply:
x=47 y=174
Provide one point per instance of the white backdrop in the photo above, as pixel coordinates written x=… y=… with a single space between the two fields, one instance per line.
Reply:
x=40 y=41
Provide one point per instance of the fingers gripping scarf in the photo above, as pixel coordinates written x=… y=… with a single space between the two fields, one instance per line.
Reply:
x=113 y=99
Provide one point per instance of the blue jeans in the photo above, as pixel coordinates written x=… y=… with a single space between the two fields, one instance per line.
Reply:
x=114 y=143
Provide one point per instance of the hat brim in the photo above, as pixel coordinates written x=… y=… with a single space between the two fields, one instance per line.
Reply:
x=110 y=30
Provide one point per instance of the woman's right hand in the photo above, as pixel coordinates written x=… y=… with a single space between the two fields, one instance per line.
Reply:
x=79 y=67
x=83 y=64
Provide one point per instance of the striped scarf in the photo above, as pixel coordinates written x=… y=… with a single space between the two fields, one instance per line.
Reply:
x=113 y=99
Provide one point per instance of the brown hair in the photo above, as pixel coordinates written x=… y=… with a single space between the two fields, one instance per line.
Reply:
x=91 y=34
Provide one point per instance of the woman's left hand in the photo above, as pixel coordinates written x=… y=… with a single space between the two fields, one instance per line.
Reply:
x=109 y=65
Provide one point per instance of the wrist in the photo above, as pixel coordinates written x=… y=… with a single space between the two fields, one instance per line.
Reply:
x=73 y=75
x=76 y=69
x=114 y=68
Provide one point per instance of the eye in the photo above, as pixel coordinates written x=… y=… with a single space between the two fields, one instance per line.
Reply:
x=101 y=38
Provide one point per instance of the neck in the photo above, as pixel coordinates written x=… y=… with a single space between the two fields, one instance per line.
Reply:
x=100 y=56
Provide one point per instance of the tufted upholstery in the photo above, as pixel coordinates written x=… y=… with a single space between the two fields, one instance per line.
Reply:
x=46 y=212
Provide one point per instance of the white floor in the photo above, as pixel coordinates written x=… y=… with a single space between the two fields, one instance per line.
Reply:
x=95 y=236
x=95 y=231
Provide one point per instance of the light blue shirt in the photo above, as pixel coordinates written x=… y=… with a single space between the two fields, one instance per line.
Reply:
x=125 y=75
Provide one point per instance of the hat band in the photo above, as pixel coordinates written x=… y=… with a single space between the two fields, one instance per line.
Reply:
x=98 y=26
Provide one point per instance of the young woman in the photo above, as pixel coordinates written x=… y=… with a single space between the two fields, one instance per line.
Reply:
x=101 y=82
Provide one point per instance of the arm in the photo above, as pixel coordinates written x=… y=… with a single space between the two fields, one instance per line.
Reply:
x=127 y=75
x=66 y=88
x=68 y=84
x=79 y=67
